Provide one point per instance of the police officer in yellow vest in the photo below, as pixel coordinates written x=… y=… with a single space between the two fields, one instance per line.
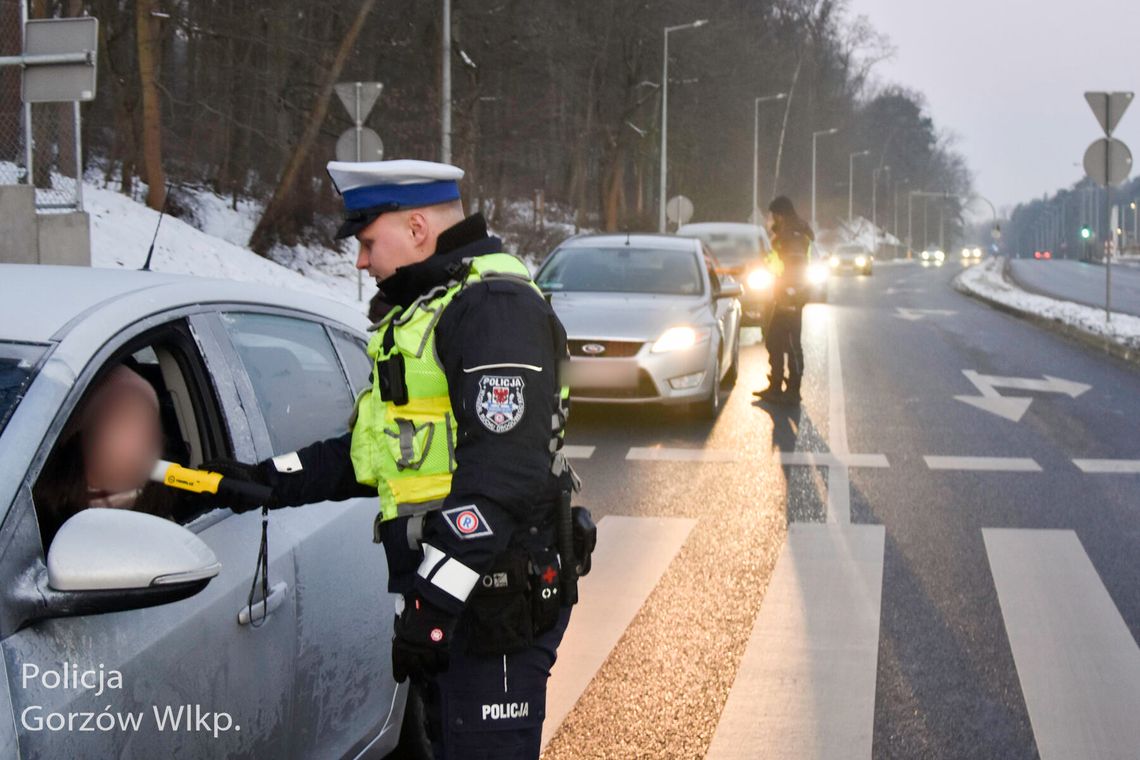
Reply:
x=460 y=434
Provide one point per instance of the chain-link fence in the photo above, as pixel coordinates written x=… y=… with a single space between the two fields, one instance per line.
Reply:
x=53 y=129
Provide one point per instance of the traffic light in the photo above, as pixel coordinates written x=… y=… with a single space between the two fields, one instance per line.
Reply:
x=1086 y=232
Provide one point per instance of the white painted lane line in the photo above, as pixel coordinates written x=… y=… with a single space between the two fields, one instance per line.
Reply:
x=663 y=454
x=788 y=458
x=1108 y=466
x=631 y=556
x=1077 y=662
x=825 y=459
x=838 y=478
x=578 y=452
x=806 y=684
x=983 y=464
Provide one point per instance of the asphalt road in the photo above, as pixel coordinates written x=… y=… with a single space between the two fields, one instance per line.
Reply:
x=957 y=580
x=1080 y=282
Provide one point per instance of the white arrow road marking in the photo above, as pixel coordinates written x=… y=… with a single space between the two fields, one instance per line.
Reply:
x=806 y=683
x=1078 y=664
x=914 y=315
x=1014 y=408
x=631 y=556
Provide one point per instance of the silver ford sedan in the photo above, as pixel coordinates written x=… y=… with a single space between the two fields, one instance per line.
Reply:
x=141 y=634
x=648 y=320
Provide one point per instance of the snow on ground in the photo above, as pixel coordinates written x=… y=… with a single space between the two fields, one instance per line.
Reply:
x=988 y=282
x=122 y=229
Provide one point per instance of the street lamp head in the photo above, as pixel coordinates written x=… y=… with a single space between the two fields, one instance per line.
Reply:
x=701 y=22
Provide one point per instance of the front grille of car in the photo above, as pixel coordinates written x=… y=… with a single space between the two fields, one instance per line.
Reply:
x=614 y=349
x=645 y=389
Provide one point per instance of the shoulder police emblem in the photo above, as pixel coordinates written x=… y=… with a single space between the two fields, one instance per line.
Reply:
x=467 y=522
x=500 y=403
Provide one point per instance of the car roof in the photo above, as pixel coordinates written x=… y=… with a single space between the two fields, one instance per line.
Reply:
x=633 y=240
x=42 y=303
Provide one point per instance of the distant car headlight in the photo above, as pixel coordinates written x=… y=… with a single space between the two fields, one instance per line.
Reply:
x=966 y=253
x=834 y=262
x=926 y=255
x=977 y=253
x=817 y=274
x=679 y=338
x=760 y=279
x=860 y=261
x=939 y=255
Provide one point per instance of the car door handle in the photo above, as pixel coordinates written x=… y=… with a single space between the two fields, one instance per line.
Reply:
x=260 y=610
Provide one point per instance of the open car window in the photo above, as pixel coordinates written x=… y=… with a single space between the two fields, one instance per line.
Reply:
x=156 y=384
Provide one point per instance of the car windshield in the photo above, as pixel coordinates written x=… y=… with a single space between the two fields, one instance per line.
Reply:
x=622 y=270
x=850 y=250
x=733 y=250
x=17 y=367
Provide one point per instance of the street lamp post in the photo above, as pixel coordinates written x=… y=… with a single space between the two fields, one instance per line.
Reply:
x=445 y=87
x=1135 y=223
x=756 y=146
x=851 y=182
x=814 y=138
x=875 y=207
x=895 y=227
x=665 y=112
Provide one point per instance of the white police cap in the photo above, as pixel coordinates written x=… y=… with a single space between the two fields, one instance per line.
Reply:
x=372 y=188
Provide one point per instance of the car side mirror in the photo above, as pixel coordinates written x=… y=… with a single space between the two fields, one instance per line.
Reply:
x=730 y=289
x=110 y=560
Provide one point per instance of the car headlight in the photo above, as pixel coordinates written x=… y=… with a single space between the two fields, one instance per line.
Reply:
x=977 y=253
x=966 y=253
x=926 y=255
x=860 y=261
x=680 y=338
x=939 y=255
x=817 y=274
x=760 y=279
x=834 y=262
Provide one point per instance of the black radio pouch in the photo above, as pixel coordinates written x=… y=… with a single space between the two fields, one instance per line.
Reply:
x=393 y=384
x=498 y=614
x=545 y=597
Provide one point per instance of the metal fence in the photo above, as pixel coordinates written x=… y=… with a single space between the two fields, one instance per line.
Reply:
x=52 y=128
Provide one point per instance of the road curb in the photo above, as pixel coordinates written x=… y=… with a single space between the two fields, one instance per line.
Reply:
x=1093 y=340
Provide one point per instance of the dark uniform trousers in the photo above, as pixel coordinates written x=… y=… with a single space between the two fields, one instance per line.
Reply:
x=492 y=708
x=784 y=340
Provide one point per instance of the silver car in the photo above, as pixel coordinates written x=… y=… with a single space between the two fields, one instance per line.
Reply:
x=648 y=320
x=132 y=635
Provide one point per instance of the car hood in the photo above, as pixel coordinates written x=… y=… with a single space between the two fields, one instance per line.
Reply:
x=618 y=316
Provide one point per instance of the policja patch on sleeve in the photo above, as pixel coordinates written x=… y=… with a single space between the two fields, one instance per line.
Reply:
x=467 y=522
x=500 y=404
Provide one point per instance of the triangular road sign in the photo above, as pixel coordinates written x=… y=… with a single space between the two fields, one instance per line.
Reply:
x=1108 y=107
x=369 y=93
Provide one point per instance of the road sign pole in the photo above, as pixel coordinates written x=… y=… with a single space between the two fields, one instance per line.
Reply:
x=1108 y=211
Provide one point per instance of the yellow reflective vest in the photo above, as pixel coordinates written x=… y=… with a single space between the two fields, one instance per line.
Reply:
x=407 y=451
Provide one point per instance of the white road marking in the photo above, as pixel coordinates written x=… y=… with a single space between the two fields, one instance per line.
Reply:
x=578 y=452
x=787 y=458
x=827 y=459
x=914 y=315
x=1078 y=664
x=1108 y=466
x=666 y=454
x=1014 y=408
x=838 y=477
x=631 y=556
x=806 y=685
x=983 y=464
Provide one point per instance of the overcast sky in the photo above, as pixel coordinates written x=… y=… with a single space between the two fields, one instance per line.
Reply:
x=1007 y=77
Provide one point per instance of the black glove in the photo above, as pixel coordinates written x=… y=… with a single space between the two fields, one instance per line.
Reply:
x=244 y=487
x=422 y=644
